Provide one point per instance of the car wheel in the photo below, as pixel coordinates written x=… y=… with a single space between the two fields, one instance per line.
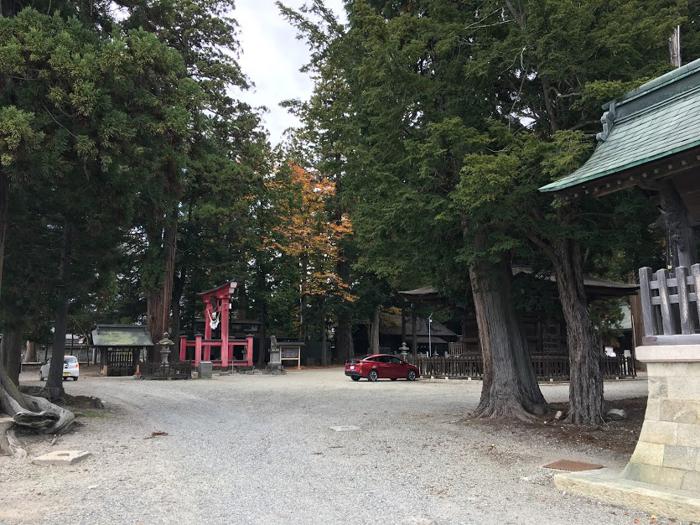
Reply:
x=75 y=379
x=373 y=375
x=355 y=378
x=411 y=375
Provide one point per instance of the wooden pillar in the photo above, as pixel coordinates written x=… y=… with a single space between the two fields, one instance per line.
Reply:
x=224 y=333
x=198 y=350
x=678 y=224
x=249 y=350
x=207 y=326
x=183 y=348
x=414 y=338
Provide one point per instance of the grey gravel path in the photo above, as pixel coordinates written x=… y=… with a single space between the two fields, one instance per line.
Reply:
x=256 y=449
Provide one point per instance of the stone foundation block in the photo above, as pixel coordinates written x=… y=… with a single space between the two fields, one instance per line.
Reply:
x=653 y=412
x=61 y=457
x=612 y=488
x=658 y=387
x=688 y=435
x=662 y=432
x=691 y=482
x=648 y=454
x=654 y=474
x=679 y=457
x=679 y=411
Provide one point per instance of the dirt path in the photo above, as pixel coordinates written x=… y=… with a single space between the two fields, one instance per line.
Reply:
x=259 y=449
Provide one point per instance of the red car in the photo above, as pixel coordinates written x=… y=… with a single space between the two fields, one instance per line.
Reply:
x=380 y=366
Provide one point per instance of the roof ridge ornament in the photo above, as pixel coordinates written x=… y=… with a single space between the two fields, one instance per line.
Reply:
x=608 y=119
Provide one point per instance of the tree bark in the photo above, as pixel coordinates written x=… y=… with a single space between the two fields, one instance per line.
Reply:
x=509 y=387
x=11 y=351
x=374 y=332
x=178 y=290
x=586 y=403
x=262 y=354
x=324 y=342
x=343 y=335
x=158 y=301
x=54 y=383
x=4 y=205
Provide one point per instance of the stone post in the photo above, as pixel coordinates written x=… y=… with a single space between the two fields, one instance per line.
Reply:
x=668 y=451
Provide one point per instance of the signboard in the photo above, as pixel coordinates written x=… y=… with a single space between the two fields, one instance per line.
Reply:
x=290 y=352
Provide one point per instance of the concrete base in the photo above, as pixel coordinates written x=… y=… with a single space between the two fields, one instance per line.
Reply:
x=61 y=457
x=205 y=370
x=663 y=475
x=668 y=451
x=612 y=487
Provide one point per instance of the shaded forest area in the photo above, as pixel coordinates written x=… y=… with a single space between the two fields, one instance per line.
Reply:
x=132 y=176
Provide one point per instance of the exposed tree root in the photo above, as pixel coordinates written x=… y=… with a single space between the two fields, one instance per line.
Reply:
x=503 y=409
x=9 y=444
x=30 y=411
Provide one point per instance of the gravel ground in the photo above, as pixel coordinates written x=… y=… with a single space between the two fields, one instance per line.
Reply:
x=259 y=449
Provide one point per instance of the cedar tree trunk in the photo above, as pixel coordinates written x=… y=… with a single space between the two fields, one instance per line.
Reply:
x=11 y=351
x=509 y=387
x=54 y=383
x=324 y=342
x=343 y=335
x=374 y=332
x=158 y=301
x=261 y=291
x=4 y=205
x=586 y=404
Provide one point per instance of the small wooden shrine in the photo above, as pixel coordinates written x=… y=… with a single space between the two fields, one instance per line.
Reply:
x=216 y=345
x=651 y=139
x=119 y=347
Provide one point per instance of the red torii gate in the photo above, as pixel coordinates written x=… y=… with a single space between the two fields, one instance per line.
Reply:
x=216 y=312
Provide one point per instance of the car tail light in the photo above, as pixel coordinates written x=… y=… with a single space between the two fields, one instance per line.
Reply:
x=77 y=365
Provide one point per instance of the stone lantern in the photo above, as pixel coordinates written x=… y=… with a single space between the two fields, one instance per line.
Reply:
x=166 y=346
x=403 y=350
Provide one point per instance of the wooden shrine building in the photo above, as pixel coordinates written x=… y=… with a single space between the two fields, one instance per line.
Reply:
x=119 y=347
x=651 y=139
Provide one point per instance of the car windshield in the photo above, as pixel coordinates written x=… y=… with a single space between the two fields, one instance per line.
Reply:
x=70 y=360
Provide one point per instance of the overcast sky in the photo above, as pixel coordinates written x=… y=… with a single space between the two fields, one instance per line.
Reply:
x=271 y=57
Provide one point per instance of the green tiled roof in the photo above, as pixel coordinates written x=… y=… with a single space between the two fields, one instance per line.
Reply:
x=121 y=335
x=658 y=119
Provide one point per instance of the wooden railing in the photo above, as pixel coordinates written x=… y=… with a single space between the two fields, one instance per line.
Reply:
x=546 y=367
x=670 y=305
x=173 y=370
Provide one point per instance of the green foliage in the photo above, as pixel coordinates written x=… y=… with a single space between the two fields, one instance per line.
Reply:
x=94 y=110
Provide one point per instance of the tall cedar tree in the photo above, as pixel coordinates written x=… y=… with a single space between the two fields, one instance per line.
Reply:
x=98 y=104
x=551 y=65
x=438 y=95
x=222 y=133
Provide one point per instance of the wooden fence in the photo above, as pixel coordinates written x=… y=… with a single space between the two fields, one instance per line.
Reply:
x=546 y=367
x=173 y=370
x=670 y=305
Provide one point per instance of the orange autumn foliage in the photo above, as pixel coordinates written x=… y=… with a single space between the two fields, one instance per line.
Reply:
x=307 y=232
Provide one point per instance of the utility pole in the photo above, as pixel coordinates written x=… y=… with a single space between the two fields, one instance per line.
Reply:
x=674 y=47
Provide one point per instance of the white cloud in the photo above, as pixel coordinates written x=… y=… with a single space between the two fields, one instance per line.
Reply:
x=271 y=57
